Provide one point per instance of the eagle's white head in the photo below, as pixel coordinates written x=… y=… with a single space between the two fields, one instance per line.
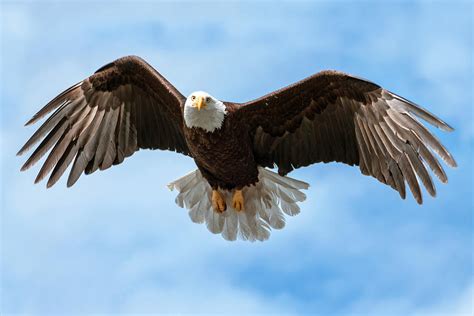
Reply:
x=204 y=111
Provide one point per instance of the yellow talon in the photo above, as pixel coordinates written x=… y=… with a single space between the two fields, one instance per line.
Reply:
x=218 y=203
x=238 y=200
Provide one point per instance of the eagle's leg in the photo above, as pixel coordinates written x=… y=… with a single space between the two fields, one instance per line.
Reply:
x=238 y=200
x=218 y=202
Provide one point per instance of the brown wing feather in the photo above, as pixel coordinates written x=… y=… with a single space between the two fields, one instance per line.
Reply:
x=333 y=116
x=124 y=106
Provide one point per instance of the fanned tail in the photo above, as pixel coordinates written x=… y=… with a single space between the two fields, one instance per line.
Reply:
x=266 y=202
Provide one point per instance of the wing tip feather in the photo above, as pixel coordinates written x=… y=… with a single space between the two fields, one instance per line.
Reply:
x=32 y=120
x=447 y=128
x=422 y=112
x=454 y=164
x=71 y=181
x=24 y=167
x=38 y=178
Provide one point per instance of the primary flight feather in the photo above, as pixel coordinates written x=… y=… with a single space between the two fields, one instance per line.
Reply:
x=331 y=116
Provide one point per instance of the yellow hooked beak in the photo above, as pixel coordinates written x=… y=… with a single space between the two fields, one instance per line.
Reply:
x=200 y=102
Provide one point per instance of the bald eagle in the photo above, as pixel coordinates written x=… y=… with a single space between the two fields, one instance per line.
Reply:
x=331 y=116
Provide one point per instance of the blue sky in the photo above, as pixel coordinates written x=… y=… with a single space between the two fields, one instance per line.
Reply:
x=117 y=243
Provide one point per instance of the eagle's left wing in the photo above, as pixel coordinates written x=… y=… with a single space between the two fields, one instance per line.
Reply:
x=123 y=107
x=333 y=116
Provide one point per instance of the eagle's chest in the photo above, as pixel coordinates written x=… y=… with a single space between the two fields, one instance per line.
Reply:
x=223 y=149
x=220 y=143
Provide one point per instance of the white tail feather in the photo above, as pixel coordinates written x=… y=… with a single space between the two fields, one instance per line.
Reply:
x=266 y=202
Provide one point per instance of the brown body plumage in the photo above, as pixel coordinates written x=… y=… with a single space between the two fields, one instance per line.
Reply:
x=225 y=157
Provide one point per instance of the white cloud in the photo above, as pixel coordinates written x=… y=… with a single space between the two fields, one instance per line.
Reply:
x=16 y=23
x=460 y=305
x=457 y=304
x=196 y=299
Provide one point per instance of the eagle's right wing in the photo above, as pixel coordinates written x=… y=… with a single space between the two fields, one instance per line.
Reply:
x=332 y=116
x=124 y=106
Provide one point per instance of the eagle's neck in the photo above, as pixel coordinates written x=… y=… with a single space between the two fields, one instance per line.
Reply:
x=209 y=118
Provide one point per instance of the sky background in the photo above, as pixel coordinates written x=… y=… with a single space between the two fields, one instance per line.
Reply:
x=117 y=243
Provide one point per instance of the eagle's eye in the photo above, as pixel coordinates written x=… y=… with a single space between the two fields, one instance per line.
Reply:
x=208 y=99
x=193 y=97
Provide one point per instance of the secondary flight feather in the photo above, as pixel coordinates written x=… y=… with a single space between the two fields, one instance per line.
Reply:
x=331 y=116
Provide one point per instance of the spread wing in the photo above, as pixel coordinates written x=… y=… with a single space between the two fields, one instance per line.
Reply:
x=332 y=116
x=123 y=107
